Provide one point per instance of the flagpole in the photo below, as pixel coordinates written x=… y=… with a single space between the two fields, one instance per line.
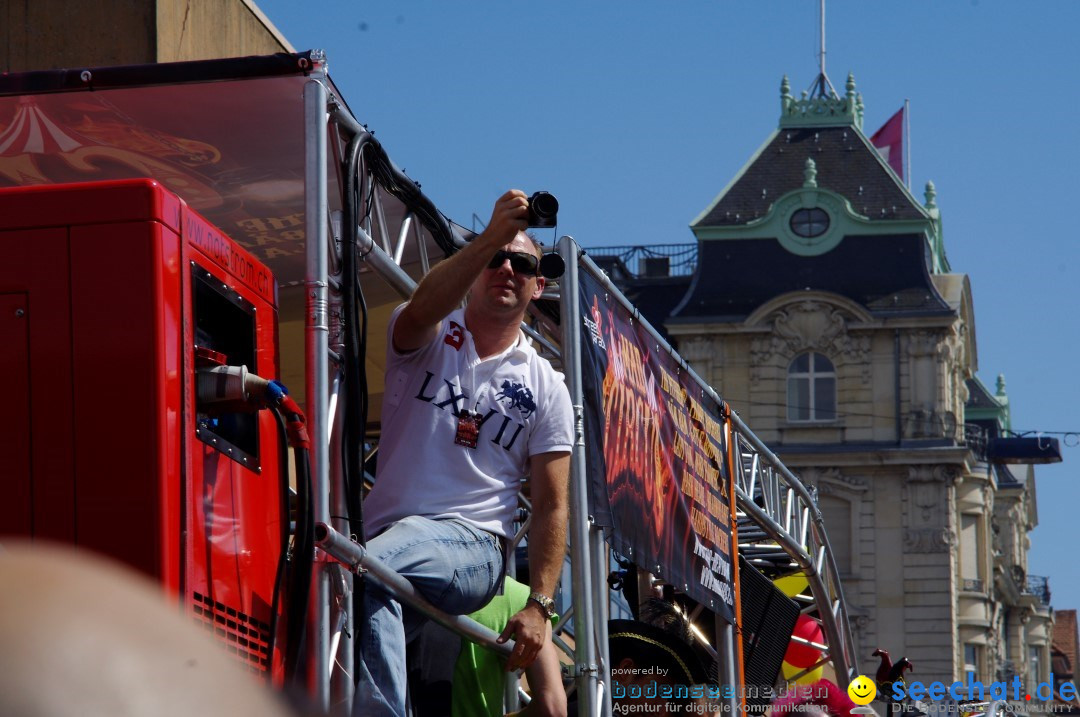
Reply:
x=907 y=140
x=821 y=57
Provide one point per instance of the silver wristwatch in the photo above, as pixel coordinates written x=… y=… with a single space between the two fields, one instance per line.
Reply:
x=545 y=603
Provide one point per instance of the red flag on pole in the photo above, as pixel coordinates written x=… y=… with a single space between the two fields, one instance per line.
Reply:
x=889 y=141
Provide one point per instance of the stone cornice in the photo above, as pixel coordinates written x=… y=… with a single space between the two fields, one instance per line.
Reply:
x=903 y=455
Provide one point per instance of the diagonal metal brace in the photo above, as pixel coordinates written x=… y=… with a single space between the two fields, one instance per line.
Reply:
x=356 y=559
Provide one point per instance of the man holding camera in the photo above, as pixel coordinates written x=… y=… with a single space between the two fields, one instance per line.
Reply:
x=469 y=409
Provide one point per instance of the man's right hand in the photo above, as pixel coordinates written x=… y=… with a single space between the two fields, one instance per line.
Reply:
x=444 y=287
x=509 y=216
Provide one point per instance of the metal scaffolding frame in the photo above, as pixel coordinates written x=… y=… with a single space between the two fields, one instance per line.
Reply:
x=767 y=492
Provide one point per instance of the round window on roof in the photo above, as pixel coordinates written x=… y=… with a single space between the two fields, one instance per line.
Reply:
x=809 y=223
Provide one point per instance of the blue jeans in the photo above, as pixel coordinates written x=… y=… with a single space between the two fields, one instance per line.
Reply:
x=456 y=567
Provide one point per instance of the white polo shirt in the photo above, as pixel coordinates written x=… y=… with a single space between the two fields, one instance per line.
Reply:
x=524 y=409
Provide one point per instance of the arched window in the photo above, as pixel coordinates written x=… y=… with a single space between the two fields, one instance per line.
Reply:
x=811 y=388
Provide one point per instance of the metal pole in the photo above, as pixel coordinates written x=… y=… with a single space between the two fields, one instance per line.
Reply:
x=341 y=678
x=726 y=637
x=601 y=560
x=511 y=681
x=317 y=332
x=586 y=668
x=821 y=19
x=384 y=265
x=356 y=559
x=907 y=140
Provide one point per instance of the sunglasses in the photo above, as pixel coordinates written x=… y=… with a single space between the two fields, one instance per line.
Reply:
x=520 y=261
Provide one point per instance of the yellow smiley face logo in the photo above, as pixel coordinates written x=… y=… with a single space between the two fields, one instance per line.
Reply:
x=862 y=690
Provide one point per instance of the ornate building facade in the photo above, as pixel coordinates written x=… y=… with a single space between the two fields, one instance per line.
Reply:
x=822 y=307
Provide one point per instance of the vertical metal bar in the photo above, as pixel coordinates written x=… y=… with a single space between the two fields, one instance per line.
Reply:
x=317 y=333
x=403 y=234
x=341 y=679
x=821 y=20
x=768 y=489
x=585 y=632
x=384 y=228
x=907 y=140
x=754 y=472
x=804 y=525
x=789 y=509
x=601 y=557
x=774 y=481
x=421 y=246
x=746 y=480
x=725 y=635
x=511 y=701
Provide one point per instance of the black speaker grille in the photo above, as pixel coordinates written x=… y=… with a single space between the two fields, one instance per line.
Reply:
x=768 y=618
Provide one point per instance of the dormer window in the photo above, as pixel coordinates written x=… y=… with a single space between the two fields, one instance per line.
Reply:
x=809 y=223
x=811 y=388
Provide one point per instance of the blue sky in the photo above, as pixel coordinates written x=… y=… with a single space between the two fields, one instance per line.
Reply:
x=637 y=114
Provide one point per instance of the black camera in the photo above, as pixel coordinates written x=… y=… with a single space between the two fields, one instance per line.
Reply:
x=543 y=210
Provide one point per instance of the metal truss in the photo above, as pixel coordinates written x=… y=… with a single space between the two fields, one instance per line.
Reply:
x=771 y=496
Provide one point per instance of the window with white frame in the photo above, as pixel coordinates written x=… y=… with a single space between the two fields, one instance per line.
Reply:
x=971 y=552
x=811 y=388
x=971 y=660
x=1035 y=663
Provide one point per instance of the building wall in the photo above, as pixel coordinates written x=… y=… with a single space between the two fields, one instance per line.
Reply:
x=206 y=29
x=933 y=556
x=55 y=34
x=888 y=481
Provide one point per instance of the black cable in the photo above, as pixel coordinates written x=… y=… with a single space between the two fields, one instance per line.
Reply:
x=399 y=185
x=364 y=146
x=355 y=379
x=279 y=574
x=378 y=164
x=352 y=468
x=362 y=366
x=301 y=569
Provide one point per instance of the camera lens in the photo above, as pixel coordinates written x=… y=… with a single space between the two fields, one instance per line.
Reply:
x=543 y=209
x=544 y=204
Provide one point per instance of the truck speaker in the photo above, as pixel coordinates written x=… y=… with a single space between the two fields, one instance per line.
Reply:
x=768 y=617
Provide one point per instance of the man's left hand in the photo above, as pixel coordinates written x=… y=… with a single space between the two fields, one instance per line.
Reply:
x=530 y=629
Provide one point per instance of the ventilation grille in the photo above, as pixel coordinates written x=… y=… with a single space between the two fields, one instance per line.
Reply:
x=242 y=635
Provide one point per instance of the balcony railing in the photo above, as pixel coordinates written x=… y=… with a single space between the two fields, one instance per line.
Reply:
x=1039 y=586
x=922 y=424
x=976 y=439
x=653 y=261
x=971 y=585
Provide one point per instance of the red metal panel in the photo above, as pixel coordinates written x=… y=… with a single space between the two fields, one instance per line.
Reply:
x=170 y=337
x=106 y=367
x=16 y=509
x=125 y=472
x=35 y=263
x=81 y=203
x=235 y=517
x=209 y=241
